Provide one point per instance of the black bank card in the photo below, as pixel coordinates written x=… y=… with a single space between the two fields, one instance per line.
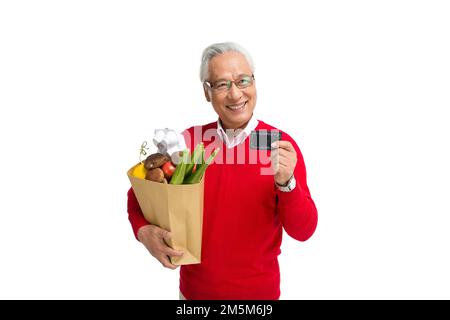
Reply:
x=262 y=139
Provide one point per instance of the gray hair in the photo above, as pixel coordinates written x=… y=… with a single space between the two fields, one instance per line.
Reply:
x=220 y=48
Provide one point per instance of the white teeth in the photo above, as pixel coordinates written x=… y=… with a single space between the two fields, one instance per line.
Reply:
x=237 y=107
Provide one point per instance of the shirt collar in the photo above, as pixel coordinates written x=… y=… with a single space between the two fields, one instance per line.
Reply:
x=240 y=136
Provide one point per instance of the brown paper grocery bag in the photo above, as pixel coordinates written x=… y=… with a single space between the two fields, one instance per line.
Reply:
x=176 y=208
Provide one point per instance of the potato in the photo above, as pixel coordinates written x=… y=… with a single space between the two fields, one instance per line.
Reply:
x=155 y=160
x=156 y=175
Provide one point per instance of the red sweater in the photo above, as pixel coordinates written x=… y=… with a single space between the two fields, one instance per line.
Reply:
x=243 y=217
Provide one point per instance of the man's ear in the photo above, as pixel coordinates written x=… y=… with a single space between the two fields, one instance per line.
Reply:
x=206 y=91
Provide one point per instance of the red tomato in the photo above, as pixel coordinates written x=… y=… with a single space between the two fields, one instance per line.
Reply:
x=168 y=168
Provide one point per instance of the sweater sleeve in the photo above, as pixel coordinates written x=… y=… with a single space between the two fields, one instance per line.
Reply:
x=135 y=215
x=297 y=210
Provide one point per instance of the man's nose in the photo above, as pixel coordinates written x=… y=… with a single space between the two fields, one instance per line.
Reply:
x=234 y=93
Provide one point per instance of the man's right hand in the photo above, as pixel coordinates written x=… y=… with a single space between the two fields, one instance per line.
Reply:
x=152 y=237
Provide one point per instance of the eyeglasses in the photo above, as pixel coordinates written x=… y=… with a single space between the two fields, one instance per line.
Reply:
x=242 y=82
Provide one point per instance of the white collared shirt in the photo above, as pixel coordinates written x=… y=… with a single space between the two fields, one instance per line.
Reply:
x=236 y=137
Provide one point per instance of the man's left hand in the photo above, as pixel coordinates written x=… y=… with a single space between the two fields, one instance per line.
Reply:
x=284 y=159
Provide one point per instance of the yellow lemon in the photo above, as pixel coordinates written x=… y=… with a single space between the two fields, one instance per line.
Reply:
x=139 y=171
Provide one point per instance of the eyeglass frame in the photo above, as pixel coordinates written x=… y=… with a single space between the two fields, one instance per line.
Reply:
x=229 y=83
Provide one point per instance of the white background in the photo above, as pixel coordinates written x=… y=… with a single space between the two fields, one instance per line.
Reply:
x=363 y=87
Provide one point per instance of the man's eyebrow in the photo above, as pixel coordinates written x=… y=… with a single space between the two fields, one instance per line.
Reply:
x=220 y=79
x=238 y=77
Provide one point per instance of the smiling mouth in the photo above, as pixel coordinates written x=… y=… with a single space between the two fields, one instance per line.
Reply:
x=237 y=107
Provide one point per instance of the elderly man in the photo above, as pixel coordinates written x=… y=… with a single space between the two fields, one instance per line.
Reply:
x=245 y=209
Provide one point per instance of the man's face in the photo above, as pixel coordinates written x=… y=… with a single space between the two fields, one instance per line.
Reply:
x=234 y=106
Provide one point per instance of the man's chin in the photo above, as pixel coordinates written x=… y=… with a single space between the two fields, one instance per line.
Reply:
x=237 y=122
